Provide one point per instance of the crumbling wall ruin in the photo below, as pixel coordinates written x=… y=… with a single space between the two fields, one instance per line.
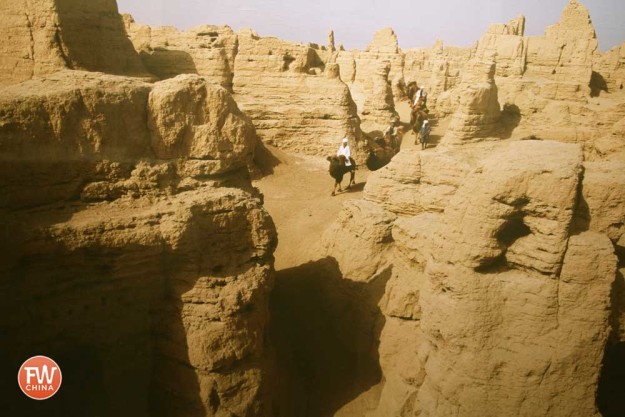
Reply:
x=134 y=244
x=50 y=35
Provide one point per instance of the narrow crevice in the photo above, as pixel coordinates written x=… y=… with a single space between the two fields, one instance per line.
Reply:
x=610 y=399
x=325 y=329
x=59 y=43
x=213 y=400
x=232 y=64
x=32 y=43
x=581 y=215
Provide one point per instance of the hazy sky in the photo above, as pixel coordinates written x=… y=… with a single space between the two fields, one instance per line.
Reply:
x=416 y=22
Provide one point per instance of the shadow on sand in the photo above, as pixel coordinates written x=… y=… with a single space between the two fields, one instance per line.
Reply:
x=325 y=330
x=265 y=160
x=356 y=187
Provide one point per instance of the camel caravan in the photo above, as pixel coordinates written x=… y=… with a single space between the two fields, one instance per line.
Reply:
x=419 y=113
x=382 y=149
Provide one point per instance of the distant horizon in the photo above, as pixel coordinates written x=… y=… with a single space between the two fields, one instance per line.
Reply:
x=455 y=23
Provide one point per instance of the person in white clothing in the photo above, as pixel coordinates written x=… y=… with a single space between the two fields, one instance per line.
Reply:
x=344 y=150
x=391 y=134
x=420 y=93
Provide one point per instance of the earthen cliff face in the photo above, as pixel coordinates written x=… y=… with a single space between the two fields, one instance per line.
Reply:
x=610 y=70
x=501 y=259
x=296 y=101
x=478 y=112
x=501 y=289
x=50 y=35
x=438 y=69
x=137 y=253
x=548 y=83
x=545 y=84
x=370 y=74
x=166 y=52
x=134 y=249
x=134 y=240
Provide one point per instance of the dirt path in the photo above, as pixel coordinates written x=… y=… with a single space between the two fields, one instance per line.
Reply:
x=324 y=328
x=438 y=129
x=297 y=196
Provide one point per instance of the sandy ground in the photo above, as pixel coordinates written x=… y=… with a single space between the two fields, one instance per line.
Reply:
x=323 y=327
x=298 y=197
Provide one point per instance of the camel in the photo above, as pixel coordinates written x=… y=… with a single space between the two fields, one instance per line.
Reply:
x=418 y=114
x=381 y=152
x=338 y=169
x=411 y=90
x=393 y=136
x=376 y=160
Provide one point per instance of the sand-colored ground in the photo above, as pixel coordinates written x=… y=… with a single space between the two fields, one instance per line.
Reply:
x=298 y=197
x=322 y=325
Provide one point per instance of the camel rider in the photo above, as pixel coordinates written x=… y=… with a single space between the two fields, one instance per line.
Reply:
x=421 y=93
x=411 y=90
x=390 y=133
x=344 y=150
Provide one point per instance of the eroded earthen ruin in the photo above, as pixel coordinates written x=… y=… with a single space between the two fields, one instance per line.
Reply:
x=480 y=278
